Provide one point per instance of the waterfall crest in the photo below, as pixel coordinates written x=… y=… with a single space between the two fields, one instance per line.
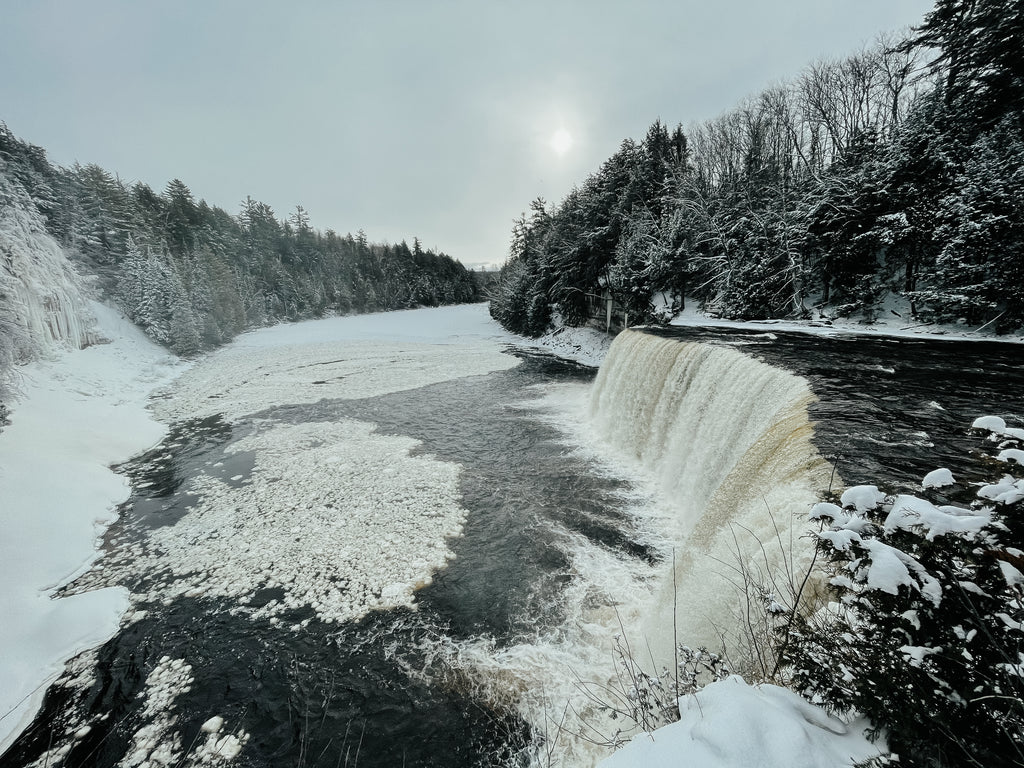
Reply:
x=728 y=442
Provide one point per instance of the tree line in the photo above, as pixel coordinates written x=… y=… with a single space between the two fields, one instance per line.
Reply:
x=193 y=275
x=898 y=169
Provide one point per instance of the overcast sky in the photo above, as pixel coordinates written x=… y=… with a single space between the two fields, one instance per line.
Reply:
x=428 y=119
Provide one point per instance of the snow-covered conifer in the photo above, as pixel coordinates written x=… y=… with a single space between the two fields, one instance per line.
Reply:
x=926 y=636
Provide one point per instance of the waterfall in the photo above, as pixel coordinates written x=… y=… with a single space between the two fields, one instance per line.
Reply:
x=727 y=442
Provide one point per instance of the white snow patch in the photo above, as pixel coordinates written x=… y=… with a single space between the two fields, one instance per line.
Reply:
x=730 y=724
x=862 y=497
x=991 y=423
x=909 y=512
x=1015 y=455
x=1012 y=575
x=1006 y=491
x=916 y=654
x=938 y=478
x=213 y=725
x=889 y=568
x=584 y=345
x=827 y=510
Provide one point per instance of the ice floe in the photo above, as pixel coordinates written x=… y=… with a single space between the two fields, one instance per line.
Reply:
x=338 y=518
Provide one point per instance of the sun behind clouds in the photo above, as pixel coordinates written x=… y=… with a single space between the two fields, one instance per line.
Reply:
x=561 y=141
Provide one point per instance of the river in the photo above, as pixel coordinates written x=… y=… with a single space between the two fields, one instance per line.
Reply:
x=413 y=544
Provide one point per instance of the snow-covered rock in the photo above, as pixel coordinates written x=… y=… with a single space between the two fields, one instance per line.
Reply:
x=938 y=478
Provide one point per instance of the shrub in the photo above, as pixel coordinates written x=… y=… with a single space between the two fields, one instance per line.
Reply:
x=926 y=634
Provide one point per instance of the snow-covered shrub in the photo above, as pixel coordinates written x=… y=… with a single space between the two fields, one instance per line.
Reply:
x=642 y=701
x=926 y=636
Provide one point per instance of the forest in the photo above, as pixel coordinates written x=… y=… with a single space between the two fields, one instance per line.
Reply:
x=191 y=275
x=898 y=170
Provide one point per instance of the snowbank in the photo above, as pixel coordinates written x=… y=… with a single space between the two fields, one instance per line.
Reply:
x=893 y=320
x=584 y=345
x=730 y=724
x=79 y=413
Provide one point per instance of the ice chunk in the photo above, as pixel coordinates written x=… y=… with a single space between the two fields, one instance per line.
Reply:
x=991 y=423
x=213 y=725
x=938 y=478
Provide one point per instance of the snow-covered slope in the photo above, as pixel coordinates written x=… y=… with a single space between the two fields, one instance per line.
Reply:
x=730 y=724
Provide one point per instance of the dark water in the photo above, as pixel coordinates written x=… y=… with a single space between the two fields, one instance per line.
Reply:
x=888 y=411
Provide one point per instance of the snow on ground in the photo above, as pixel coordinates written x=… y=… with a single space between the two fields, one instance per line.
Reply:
x=584 y=345
x=79 y=413
x=730 y=724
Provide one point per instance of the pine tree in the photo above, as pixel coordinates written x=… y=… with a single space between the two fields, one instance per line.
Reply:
x=979 y=56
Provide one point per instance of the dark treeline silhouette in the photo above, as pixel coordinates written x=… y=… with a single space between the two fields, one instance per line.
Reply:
x=897 y=170
x=193 y=275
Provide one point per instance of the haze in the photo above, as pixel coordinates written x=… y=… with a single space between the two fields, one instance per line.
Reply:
x=437 y=120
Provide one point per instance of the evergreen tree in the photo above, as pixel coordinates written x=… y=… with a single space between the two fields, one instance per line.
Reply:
x=979 y=57
x=928 y=636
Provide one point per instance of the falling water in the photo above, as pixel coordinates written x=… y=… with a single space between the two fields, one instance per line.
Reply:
x=728 y=444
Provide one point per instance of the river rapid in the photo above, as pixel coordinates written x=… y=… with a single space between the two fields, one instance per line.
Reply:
x=414 y=541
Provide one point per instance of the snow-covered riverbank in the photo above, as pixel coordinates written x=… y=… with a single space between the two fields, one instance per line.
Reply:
x=79 y=413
